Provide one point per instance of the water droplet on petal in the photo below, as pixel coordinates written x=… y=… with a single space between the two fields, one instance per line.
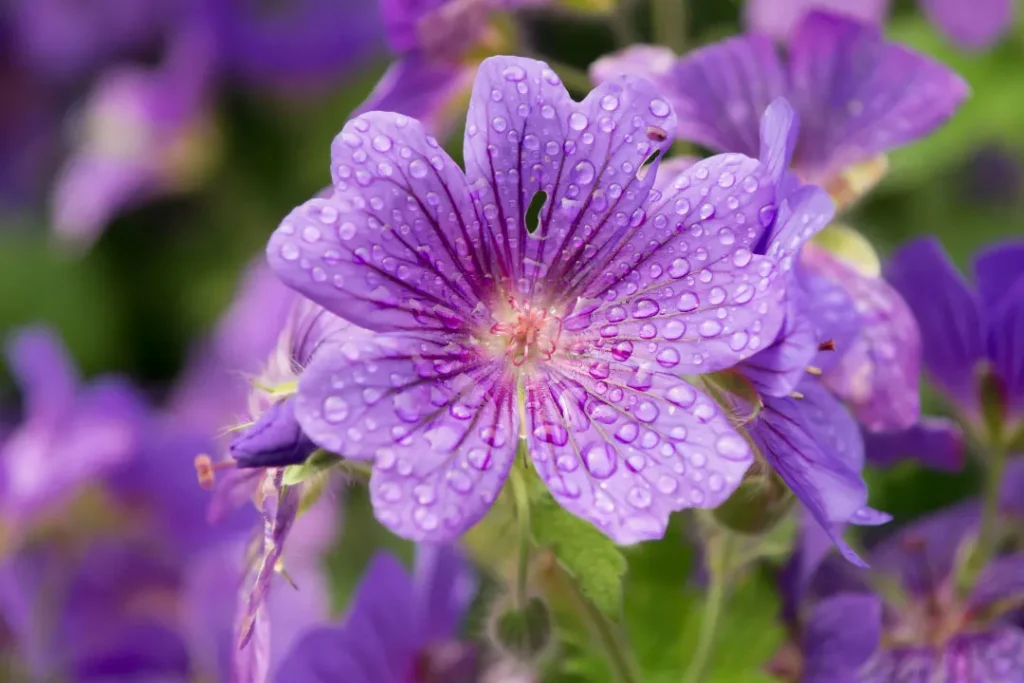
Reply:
x=553 y=433
x=639 y=497
x=335 y=409
x=578 y=121
x=687 y=302
x=645 y=308
x=710 y=328
x=583 y=173
x=514 y=73
x=600 y=459
x=381 y=143
x=659 y=108
x=733 y=447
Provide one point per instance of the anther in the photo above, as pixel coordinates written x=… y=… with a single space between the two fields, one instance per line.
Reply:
x=814 y=370
x=206 y=470
x=829 y=345
x=796 y=394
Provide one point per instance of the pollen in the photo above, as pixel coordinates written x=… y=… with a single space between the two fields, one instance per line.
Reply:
x=527 y=333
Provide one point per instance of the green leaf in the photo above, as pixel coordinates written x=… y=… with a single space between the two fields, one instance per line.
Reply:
x=592 y=558
x=319 y=461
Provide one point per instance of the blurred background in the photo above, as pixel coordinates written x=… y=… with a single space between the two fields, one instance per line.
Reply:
x=149 y=147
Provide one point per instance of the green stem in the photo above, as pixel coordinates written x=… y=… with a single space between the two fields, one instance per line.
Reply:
x=623 y=24
x=522 y=503
x=668 y=20
x=718 y=560
x=608 y=636
x=988 y=534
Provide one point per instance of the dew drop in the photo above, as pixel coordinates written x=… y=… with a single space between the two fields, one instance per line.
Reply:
x=659 y=108
x=578 y=121
x=599 y=459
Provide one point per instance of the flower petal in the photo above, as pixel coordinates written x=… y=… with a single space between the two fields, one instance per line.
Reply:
x=652 y=62
x=840 y=635
x=422 y=89
x=974 y=25
x=833 y=312
x=626 y=450
x=935 y=442
x=438 y=421
x=685 y=290
x=815 y=446
x=45 y=373
x=778 y=369
x=996 y=269
x=860 y=95
x=1001 y=580
x=720 y=91
x=949 y=315
x=389 y=250
x=275 y=440
x=1006 y=349
x=778 y=18
x=376 y=644
x=526 y=140
x=878 y=374
x=444 y=586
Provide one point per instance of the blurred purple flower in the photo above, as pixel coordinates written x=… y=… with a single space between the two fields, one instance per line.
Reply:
x=63 y=41
x=306 y=43
x=935 y=442
x=399 y=628
x=69 y=434
x=877 y=373
x=437 y=44
x=972 y=24
x=936 y=632
x=971 y=331
x=215 y=386
x=145 y=134
x=585 y=317
x=857 y=94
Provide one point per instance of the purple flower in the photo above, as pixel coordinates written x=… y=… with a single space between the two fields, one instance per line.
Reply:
x=435 y=42
x=145 y=134
x=970 y=330
x=936 y=632
x=70 y=433
x=877 y=371
x=972 y=24
x=399 y=628
x=62 y=40
x=569 y=325
x=800 y=429
x=858 y=95
x=295 y=44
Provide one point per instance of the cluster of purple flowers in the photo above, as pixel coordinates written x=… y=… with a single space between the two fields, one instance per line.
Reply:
x=636 y=333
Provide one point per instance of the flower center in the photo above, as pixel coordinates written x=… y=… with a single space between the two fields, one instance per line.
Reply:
x=526 y=333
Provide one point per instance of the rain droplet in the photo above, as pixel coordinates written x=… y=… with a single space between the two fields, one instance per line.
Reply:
x=609 y=103
x=381 y=143
x=659 y=108
x=639 y=497
x=289 y=252
x=645 y=308
x=687 y=302
x=680 y=268
x=583 y=173
x=499 y=124
x=417 y=169
x=623 y=350
x=335 y=409
x=710 y=328
x=628 y=432
x=732 y=447
x=514 y=73
x=578 y=121
x=726 y=179
x=682 y=394
x=552 y=433
x=668 y=358
x=600 y=459
x=706 y=211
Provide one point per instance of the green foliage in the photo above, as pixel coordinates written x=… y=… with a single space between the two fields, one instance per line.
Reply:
x=590 y=556
x=317 y=463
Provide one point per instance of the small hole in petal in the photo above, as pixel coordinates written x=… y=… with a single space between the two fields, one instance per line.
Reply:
x=641 y=172
x=533 y=212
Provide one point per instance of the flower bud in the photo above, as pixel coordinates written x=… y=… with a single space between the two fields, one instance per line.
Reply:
x=274 y=440
x=524 y=633
x=851 y=247
x=758 y=504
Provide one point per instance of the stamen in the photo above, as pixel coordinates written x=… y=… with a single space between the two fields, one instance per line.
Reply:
x=814 y=370
x=796 y=394
x=829 y=345
x=206 y=470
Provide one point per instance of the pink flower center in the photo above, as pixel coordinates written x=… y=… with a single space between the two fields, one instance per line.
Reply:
x=527 y=333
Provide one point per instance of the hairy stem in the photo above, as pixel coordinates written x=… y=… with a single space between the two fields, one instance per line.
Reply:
x=718 y=570
x=522 y=504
